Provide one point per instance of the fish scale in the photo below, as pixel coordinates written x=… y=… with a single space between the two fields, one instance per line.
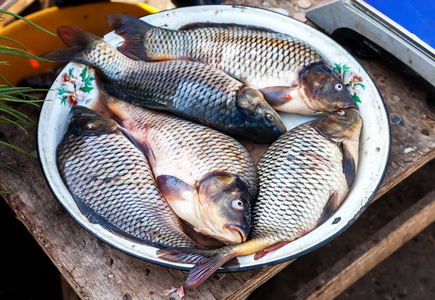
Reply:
x=192 y=90
x=292 y=76
x=183 y=140
x=207 y=177
x=113 y=186
x=262 y=49
x=303 y=178
x=294 y=165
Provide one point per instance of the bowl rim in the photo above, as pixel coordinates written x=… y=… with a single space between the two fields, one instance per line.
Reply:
x=265 y=262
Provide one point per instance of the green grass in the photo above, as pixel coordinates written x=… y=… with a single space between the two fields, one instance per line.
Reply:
x=10 y=95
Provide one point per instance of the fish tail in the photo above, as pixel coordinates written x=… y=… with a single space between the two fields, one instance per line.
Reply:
x=132 y=30
x=78 y=41
x=206 y=262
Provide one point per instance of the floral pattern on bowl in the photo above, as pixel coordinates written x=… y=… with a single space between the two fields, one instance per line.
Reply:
x=76 y=87
x=351 y=80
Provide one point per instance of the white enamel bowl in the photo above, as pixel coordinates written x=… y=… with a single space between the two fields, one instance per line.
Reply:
x=374 y=146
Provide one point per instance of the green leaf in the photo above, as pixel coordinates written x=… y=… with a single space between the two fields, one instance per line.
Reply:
x=88 y=80
x=24 y=19
x=5 y=120
x=361 y=85
x=83 y=73
x=13 y=41
x=86 y=89
x=18 y=149
x=61 y=91
x=70 y=72
x=356 y=98
x=337 y=68
x=25 y=55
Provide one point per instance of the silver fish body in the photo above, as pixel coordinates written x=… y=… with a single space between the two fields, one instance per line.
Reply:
x=303 y=178
x=112 y=184
x=289 y=72
x=208 y=178
x=192 y=90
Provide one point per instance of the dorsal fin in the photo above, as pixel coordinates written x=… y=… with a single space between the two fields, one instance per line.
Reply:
x=200 y=25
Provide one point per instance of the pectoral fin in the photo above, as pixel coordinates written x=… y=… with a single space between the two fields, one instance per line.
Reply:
x=174 y=189
x=278 y=95
x=262 y=253
x=349 y=166
x=199 y=238
x=330 y=207
x=188 y=58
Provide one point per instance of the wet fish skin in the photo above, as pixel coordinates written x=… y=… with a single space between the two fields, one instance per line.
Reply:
x=303 y=178
x=207 y=177
x=112 y=184
x=286 y=70
x=192 y=90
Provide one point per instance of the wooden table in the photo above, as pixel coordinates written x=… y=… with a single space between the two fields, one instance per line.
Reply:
x=95 y=270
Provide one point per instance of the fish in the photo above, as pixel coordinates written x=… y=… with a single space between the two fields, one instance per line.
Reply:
x=303 y=178
x=207 y=177
x=112 y=184
x=189 y=89
x=293 y=76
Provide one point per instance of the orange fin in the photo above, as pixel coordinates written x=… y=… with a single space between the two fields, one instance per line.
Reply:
x=271 y=248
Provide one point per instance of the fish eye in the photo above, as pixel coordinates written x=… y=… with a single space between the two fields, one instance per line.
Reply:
x=338 y=87
x=270 y=117
x=237 y=204
x=341 y=112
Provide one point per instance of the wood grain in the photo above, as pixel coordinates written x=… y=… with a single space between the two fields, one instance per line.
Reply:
x=96 y=270
x=367 y=255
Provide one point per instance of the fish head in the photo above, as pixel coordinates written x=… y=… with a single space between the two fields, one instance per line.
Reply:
x=83 y=119
x=324 y=90
x=263 y=121
x=344 y=128
x=225 y=202
x=340 y=125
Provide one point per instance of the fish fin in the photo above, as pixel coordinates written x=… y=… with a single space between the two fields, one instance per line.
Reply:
x=231 y=265
x=133 y=31
x=330 y=207
x=173 y=188
x=188 y=58
x=200 y=25
x=201 y=271
x=349 y=167
x=200 y=238
x=137 y=144
x=78 y=41
x=206 y=262
x=265 y=251
x=184 y=255
x=277 y=95
x=86 y=210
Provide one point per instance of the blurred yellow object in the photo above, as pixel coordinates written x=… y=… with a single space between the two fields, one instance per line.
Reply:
x=90 y=17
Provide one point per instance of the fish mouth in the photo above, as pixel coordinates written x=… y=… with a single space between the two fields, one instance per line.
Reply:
x=238 y=232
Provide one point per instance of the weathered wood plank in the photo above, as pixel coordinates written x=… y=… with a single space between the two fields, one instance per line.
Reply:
x=97 y=271
x=365 y=257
